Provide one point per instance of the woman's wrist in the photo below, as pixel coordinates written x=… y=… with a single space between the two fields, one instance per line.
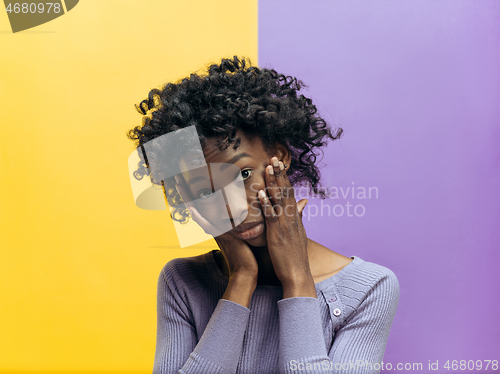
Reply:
x=299 y=287
x=240 y=289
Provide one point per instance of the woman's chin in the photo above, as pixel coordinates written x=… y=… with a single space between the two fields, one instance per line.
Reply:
x=254 y=237
x=257 y=243
x=260 y=241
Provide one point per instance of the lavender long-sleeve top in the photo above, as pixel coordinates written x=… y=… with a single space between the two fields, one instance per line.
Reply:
x=343 y=330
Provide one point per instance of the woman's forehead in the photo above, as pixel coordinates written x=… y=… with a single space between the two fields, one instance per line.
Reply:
x=214 y=152
x=222 y=148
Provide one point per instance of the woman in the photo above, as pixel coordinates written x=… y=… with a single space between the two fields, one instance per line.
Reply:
x=269 y=300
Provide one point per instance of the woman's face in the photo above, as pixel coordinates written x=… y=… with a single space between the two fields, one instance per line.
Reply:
x=240 y=212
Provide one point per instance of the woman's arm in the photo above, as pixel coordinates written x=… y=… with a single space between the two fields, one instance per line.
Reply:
x=358 y=345
x=219 y=348
x=302 y=342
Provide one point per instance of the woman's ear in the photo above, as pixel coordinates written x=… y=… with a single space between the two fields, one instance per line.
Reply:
x=283 y=154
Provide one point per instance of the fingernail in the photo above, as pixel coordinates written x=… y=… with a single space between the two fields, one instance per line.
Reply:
x=262 y=194
x=281 y=166
x=275 y=163
x=270 y=171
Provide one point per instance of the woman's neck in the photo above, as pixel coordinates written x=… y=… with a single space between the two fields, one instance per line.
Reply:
x=267 y=275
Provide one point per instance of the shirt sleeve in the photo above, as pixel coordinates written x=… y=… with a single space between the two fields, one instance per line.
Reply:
x=359 y=345
x=177 y=347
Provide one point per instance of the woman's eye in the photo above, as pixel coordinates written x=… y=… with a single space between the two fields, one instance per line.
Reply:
x=247 y=173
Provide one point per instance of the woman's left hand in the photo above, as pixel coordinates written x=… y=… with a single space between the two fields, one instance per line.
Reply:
x=286 y=236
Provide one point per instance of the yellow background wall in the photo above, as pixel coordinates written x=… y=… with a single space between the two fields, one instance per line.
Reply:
x=79 y=262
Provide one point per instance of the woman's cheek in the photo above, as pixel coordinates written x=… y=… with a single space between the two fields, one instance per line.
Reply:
x=254 y=189
x=254 y=202
x=255 y=209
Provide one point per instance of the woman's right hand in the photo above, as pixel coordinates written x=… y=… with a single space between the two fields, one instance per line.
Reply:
x=240 y=260
x=239 y=257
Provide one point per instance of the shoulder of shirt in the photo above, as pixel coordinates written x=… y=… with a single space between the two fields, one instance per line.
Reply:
x=365 y=278
x=191 y=272
x=369 y=271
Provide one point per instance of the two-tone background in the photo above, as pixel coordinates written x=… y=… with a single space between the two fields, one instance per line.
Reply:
x=415 y=85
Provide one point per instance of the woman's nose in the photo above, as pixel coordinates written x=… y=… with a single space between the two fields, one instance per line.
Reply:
x=236 y=202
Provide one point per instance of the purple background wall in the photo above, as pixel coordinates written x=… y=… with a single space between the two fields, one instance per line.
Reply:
x=416 y=87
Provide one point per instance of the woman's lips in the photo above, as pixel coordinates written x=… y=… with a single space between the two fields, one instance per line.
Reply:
x=248 y=231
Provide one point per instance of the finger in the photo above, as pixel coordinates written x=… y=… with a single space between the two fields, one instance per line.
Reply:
x=279 y=170
x=284 y=175
x=280 y=174
x=285 y=195
x=275 y=193
x=267 y=208
x=282 y=182
x=286 y=190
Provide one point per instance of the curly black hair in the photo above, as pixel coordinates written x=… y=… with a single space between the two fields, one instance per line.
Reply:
x=231 y=96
